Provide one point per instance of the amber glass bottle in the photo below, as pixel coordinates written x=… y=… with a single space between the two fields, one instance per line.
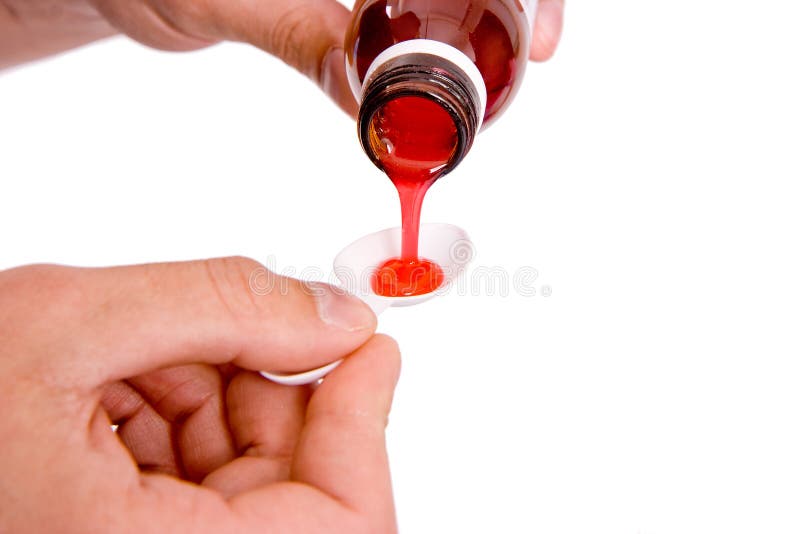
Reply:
x=465 y=56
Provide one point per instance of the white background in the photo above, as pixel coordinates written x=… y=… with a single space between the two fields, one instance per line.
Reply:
x=649 y=173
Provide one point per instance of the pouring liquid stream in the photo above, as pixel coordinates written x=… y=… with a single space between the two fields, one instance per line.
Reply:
x=417 y=137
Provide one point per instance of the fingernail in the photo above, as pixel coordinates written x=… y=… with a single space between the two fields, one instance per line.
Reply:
x=340 y=309
x=547 y=30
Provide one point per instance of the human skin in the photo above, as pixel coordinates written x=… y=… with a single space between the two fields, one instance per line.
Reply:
x=204 y=443
x=306 y=34
x=168 y=352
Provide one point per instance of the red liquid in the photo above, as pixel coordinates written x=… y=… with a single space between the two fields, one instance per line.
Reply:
x=414 y=138
x=417 y=139
x=400 y=278
x=488 y=31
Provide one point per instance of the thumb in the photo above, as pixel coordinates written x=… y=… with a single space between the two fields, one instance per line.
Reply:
x=92 y=326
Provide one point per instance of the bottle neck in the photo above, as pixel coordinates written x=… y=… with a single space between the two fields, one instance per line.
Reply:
x=430 y=70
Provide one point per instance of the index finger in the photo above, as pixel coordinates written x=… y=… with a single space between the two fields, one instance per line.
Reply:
x=342 y=448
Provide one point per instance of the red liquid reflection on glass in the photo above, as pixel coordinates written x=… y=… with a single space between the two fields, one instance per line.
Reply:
x=487 y=30
x=417 y=139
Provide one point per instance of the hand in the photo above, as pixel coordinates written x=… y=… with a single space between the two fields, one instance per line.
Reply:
x=204 y=444
x=306 y=34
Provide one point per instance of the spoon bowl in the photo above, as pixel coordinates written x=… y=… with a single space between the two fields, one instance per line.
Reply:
x=447 y=245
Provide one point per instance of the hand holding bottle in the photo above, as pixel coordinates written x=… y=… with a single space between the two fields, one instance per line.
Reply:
x=307 y=35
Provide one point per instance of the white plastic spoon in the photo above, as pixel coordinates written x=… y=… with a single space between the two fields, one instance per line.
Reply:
x=447 y=245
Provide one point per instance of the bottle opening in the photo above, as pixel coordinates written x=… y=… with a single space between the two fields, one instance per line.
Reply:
x=413 y=132
x=420 y=110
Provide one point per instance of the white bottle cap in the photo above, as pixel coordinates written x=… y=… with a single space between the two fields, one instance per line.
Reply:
x=434 y=48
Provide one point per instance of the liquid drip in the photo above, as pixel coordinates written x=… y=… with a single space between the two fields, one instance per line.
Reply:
x=417 y=138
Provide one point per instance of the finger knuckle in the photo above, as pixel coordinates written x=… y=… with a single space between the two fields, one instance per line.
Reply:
x=190 y=389
x=289 y=37
x=235 y=283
